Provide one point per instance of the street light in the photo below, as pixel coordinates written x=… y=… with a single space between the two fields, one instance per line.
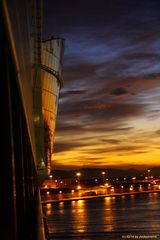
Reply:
x=103 y=176
x=148 y=173
x=78 y=174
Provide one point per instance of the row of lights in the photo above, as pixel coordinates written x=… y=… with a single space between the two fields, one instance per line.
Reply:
x=78 y=174
x=112 y=189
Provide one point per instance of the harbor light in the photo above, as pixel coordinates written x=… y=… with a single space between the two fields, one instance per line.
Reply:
x=112 y=189
x=103 y=176
x=131 y=188
x=106 y=184
x=149 y=173
x=78 y=174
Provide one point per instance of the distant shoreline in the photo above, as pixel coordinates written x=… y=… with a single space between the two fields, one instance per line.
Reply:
x=96 y=196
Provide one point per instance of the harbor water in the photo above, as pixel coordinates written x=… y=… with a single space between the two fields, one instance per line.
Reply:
x=121 y=217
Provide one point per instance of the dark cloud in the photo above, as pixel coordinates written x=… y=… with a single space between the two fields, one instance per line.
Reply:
x=119 y=91
x=123 y=129
x=96 y=110
x=62 y=147
x=142 y=56
x=111 y=141
x=136 y=84
x=157 y=132
x=141 y=152
x=123 y=150
x=71 y=93
x=67 y=127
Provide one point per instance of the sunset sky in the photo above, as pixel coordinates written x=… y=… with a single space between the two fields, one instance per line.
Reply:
x=109 y=107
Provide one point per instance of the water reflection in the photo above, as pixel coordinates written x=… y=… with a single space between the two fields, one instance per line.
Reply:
x=48 y=208
x=109 y=214
x=61 y=204
x=105 y=218
x=132 y=199
x=123 y=198
x=79 y=215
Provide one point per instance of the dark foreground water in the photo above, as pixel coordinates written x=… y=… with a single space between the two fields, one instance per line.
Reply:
x=123 y=217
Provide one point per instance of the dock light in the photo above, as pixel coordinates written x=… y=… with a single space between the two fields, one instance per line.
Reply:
x=50 y=176
x=72 y=191
x=60 y=192
x=122 y=186
x=106 y=184
x=79 y=187
x=48 y=192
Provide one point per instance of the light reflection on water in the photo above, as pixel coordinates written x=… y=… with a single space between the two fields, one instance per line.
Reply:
x=109 y=214
x=105 y=218
x=80 y=216
x=48 y=209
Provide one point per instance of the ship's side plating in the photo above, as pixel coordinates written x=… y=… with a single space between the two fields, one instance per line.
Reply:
x=23 y=153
